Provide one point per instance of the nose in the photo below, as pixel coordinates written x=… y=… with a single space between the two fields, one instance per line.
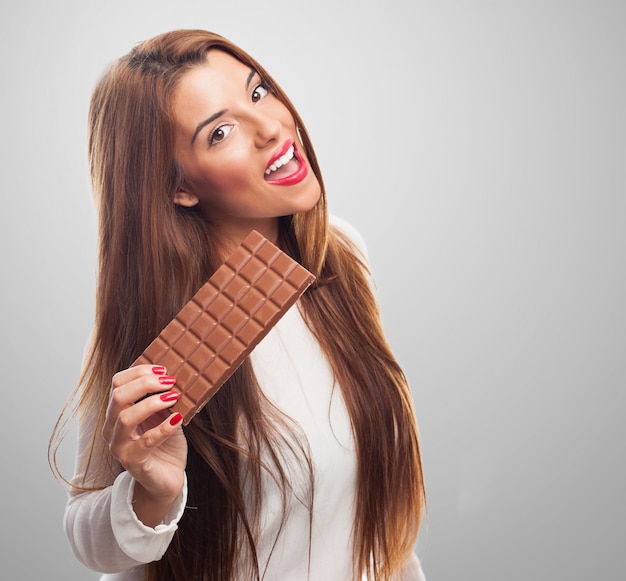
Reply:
x=266 y=128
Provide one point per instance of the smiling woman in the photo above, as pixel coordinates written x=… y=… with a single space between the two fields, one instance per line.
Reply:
x=241 y=163
x=306 y=464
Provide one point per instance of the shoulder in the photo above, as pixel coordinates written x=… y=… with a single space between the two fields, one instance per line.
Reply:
x=349 y=232
x=349 y=236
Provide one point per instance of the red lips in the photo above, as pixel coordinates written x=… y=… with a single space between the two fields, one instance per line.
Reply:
x=292 y=172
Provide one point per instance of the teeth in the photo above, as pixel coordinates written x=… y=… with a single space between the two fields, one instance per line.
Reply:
x=281 y=161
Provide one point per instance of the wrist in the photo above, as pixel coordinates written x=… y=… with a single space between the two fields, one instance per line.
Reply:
x=151 y=508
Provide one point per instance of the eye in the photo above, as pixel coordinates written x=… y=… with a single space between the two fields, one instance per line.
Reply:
x=260 y=91
x=219 y=134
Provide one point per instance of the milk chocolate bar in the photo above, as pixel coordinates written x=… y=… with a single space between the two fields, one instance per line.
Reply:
x=218 y=328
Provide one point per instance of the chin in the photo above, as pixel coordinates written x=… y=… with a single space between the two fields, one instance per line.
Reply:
x=311 y=200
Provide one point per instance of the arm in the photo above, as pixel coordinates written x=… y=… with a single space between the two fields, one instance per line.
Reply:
x=105 y=533
x=103 y=526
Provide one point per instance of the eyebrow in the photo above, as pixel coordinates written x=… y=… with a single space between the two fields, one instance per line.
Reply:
x=213 y=117
x=250 y=77
x=204 y=123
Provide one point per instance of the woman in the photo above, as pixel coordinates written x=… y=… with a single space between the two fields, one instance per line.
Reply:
x=306 y=464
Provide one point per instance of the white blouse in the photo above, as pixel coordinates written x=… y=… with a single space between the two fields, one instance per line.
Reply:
x=295 y=375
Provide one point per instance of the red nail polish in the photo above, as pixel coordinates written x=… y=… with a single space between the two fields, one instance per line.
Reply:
x=170 y=396
x=176 y=419
x=167 y=380
x=158 y=370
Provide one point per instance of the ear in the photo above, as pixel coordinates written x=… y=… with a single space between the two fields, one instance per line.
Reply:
x=185 y=199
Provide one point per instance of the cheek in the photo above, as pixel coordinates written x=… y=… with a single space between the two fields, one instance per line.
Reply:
x=212 y=173
x=224 y=180
x=233 y=176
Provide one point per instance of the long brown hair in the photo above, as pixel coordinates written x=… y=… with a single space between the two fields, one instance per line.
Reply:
x=153 y=255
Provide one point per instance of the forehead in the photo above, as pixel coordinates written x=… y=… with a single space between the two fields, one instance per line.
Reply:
x=220 y=60
x=218 y=72
x=209 y=87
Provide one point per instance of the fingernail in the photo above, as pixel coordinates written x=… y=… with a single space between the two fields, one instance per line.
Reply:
x=158 y=370
x=170 y=396
x=167 y=380
x=176 y=419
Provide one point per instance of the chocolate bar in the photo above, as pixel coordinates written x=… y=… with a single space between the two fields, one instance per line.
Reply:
x=218 y=328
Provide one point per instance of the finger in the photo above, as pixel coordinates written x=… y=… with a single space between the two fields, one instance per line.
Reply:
x=136 y=457
x=126 y=376
x=127 y=395
x=156 y=436
x=150 y=412
x=147 y=384
x=144 y=382
x=134 y=420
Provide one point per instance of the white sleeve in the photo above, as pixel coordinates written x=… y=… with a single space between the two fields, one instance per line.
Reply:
x=106 y=535
x=101 y=525
x=140 y=542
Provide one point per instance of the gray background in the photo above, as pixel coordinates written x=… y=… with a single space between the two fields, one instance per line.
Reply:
x=479 y=146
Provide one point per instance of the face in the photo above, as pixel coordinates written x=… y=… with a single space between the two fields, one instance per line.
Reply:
x=238 y=148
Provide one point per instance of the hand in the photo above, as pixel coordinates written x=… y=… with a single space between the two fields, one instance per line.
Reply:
x=146 y=439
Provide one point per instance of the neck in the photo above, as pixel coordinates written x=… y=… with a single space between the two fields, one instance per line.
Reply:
x=232 y=234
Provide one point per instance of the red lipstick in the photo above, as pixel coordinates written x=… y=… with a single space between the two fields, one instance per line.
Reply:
x=280 y=152
x=290 y=173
